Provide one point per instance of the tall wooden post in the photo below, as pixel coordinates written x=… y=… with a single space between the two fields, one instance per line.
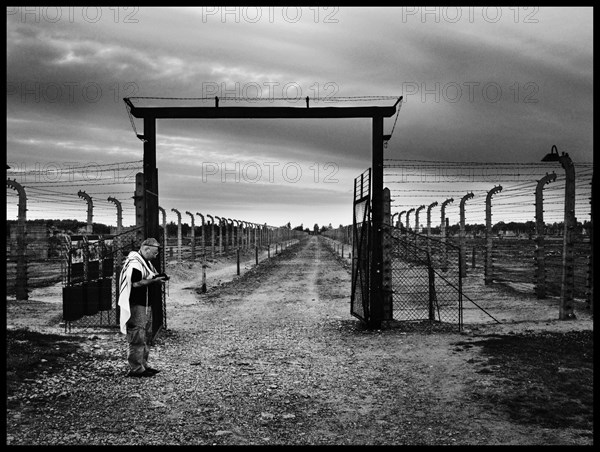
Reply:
x=540 y=233
x=590 y=291
x=140 y=215
x=150 y=181
x=387 y=258
x=151 y=228
x=376 y=298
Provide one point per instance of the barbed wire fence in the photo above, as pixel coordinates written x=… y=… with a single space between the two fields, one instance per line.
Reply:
x=453 y=199
x=43 y=257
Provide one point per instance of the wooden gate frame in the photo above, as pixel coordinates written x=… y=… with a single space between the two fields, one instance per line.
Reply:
x=376 y=113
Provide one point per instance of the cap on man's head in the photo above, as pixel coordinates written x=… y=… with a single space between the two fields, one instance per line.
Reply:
x=151 y=242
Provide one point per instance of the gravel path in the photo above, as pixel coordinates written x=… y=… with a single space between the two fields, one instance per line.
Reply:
x=273 y=357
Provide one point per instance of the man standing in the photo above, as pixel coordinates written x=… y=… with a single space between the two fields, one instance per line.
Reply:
x=136 y=310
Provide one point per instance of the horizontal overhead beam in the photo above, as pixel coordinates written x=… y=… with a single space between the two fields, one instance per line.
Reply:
x=259 y=112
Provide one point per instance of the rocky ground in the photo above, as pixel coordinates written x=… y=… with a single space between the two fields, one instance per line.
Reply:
x=274 y=358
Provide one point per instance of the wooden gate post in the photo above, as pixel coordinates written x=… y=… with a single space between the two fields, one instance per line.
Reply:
x=387 y=292
x=376 y=279
x=590 y=288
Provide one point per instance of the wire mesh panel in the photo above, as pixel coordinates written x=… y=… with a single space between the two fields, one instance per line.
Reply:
x=426 y=281
x=361 y=227
x=90 y=293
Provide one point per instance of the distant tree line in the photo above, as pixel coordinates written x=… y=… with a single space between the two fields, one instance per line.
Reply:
x=69 y=226
x=527 y=227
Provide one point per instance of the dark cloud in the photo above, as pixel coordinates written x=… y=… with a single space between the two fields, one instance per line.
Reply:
x=475 y=90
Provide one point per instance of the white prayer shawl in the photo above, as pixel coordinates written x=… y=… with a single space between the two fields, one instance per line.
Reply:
x=133 y=260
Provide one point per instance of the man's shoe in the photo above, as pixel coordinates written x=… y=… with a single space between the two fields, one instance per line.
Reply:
x=152 y=371
x=144 y=374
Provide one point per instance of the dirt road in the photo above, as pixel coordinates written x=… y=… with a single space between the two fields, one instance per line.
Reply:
x=274 y=357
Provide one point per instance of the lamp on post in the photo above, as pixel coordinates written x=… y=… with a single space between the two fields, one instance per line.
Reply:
x=567 y=282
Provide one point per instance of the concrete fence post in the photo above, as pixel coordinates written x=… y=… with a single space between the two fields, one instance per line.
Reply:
x=489 y=238
x=212 y=235
x=193 y=236
x=90 y=210
x=406 y=233
x=417 y=226
x=203 y=232
x=431 y=206
x=463 y=260
x=21 y=289
x=164 y=225
x=220 y=226
x=443 y=223
x=118 y=258
x=567 y=288
x=178 y=234
x=540 y=233
x=232 y=237
x=399 y=224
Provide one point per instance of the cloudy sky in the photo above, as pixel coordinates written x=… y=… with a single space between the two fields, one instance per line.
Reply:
x=479 y=85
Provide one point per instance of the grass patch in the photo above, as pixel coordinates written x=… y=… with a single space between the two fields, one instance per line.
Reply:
x=548 y=377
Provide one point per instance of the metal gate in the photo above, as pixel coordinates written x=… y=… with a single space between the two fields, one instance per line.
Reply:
x=426 y=279
x=361 y=232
